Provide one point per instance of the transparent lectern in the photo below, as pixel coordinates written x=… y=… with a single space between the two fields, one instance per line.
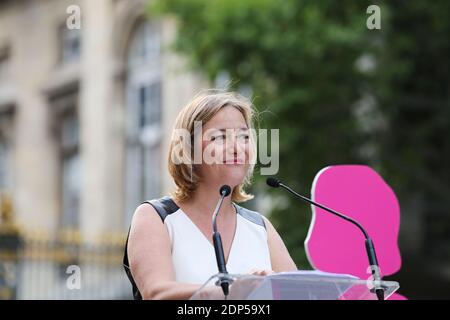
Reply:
x=300 y=285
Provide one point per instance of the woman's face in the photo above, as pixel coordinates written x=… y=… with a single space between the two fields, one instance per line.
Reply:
x=226 y=148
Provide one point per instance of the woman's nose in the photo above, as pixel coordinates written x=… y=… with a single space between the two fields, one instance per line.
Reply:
x=235 y=147
x=231 y=144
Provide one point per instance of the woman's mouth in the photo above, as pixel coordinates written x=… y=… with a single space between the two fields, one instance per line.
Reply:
x=234 y=161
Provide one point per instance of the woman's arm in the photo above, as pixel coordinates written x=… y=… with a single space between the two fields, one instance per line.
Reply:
x=149 y=254
x=279 y=255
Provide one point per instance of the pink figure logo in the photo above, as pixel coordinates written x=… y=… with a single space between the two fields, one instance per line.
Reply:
x=335 y=245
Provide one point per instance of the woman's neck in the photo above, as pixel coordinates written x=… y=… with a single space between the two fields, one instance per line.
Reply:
x=204 y=201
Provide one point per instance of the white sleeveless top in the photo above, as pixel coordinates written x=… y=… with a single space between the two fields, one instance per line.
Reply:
x=193 y=255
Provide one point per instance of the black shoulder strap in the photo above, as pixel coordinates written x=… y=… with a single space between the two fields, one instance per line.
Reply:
x=163 y=207
x=251 y=216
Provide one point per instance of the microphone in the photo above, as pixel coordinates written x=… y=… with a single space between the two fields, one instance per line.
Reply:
x=224 y=282
x=370 y=249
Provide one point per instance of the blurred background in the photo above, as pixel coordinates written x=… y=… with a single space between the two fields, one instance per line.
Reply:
x=86 y=114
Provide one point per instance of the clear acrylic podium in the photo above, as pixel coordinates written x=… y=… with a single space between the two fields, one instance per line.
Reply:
x=302 y=285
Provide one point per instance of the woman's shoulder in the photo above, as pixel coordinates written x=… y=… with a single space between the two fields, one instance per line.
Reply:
x=163 y=206
x=149 y=217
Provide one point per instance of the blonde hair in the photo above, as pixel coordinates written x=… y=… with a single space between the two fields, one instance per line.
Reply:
x=202 y=108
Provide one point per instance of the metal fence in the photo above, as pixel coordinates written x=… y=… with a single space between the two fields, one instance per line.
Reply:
x=37 y=265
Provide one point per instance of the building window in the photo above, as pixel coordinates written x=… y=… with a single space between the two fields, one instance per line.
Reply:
x=68 y=137
x=6 y=123
x=70 y=44
x=5 y=170
x=6 y=128
x=71 y=173
x=143 y=113
x=4 y=66
x=6 y=85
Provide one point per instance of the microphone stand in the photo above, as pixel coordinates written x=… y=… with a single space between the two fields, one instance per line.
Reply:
x=370 y=249
x=224 y=281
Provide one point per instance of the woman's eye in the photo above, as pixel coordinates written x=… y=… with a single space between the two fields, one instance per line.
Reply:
x=218 y=138
x=244 y=136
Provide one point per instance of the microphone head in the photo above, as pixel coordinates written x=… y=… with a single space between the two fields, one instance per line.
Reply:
x=273 y=182
x=225 y=190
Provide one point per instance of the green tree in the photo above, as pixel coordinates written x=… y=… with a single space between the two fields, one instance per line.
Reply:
x=309 y=65
x=411 y=85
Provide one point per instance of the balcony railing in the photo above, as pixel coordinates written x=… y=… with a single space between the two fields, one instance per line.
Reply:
x=38 y=265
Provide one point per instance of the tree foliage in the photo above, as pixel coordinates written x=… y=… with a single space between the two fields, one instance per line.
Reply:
x=338 y=92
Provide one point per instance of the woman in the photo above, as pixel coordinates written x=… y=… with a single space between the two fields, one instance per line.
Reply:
x=169 y=248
